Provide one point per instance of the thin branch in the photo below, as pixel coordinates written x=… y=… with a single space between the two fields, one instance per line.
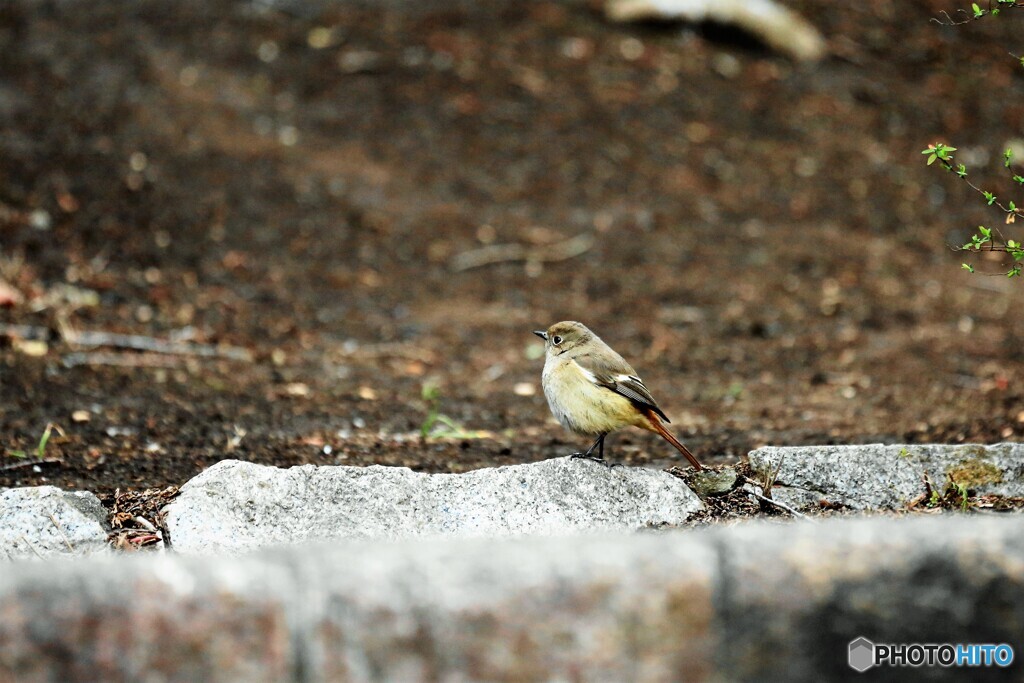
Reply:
x=29 y=463
x=61 y=532
x=31 y=547
x=138 y=342
x=505 y=253
x=772 y=474
x=765 y=499
x=971 y=16
x=952 y=22
x=949 y=167
x=74 y=360
x=133 y=342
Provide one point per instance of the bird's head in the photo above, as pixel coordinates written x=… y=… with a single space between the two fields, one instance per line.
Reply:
x=564 y=336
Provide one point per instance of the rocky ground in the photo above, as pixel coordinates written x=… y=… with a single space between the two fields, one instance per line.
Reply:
x=312 y=192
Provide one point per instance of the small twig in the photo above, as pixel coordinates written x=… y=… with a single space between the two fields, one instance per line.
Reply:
x=764 y=499
x=772 y=474
x=31 y=547
x=391 y=350
x=76 y=359
x=65 y=328
x=972 y=16
x=950 y=21
x=138 y=342
x=133 y=342
x=929 y=492
x=485 y=256
x=142 y=521
x=61 y=532
x=1012 y=212
x=29 y=463
x=505 y=253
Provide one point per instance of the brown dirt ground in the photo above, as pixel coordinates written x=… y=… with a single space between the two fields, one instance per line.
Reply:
x=768 y=247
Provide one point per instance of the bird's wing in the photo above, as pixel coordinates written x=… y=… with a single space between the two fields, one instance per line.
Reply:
x=615 y=374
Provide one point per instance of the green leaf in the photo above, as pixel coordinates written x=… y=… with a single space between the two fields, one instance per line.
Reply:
x=430 y=391
x=987 y=232
x=1007 y=157
x=41 y=448
x=968 y=267
x=978 y=12
x=938 y=151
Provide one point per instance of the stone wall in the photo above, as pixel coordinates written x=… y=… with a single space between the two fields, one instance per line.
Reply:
x=757 y=601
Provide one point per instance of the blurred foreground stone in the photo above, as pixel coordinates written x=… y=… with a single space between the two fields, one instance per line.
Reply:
x=756 y=601
x=44 y=520
x=238 y=505
x=882 y=476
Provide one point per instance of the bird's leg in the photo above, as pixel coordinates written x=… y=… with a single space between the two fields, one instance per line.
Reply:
x=589 y=455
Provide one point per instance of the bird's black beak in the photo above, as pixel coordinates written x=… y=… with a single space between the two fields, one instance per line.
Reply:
x=542 y=334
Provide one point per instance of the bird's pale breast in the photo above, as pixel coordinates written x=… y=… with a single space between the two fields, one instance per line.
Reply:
x=582 y=406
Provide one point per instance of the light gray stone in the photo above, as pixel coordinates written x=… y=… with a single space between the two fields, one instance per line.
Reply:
x=44 y=520
x=879 y=476
x=794 y=596
x=796 y=498
x=758 y=601
x=237 y=505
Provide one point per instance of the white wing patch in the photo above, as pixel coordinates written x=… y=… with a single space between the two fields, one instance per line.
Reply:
x=592 y=378
x=587 y=373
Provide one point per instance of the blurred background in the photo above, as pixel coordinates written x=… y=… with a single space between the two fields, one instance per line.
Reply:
x=333 y=226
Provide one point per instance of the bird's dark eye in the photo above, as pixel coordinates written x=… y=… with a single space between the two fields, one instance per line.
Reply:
x=556 y=340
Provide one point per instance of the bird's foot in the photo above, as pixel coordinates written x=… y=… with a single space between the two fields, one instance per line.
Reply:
x=594 y=458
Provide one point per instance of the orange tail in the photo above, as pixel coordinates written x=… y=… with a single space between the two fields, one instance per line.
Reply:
x=667 y=435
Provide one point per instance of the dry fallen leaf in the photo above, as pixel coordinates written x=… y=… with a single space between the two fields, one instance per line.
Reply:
x=9 y=296
x=30 y=347
x=524 y=389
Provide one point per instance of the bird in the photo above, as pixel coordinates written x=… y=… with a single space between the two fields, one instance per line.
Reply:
x=593 y=391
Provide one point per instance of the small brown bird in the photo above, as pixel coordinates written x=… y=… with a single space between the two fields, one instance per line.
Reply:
x=593 y=391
